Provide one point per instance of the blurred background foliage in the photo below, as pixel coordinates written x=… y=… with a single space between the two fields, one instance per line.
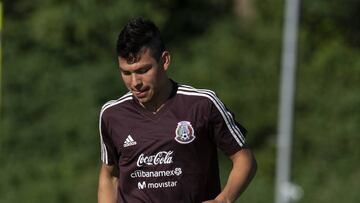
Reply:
x=60 y=67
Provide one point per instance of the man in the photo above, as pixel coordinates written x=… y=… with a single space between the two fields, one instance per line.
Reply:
x=159 y=141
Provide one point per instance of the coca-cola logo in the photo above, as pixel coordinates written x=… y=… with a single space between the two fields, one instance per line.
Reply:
x=163 y=157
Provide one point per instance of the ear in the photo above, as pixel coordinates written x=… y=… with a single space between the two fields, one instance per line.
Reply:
x=165 y=59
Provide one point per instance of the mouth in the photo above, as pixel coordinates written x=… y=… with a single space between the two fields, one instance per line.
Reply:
x=140 y=93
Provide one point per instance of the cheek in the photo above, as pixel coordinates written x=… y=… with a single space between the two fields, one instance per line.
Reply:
x=126 y=80
x=156 y=77
x=148 y=79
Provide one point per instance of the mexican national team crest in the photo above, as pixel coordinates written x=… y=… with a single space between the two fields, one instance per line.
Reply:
x=184 y=132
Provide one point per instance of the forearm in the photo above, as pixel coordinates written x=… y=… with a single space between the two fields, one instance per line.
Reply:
x=107 y=190
x=243 y=170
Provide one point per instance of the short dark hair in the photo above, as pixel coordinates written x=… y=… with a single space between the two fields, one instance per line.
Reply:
x=139 y=33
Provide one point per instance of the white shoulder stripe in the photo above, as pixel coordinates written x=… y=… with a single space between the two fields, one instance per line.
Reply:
x=116 y=101
x=104 y=153
x=187 y=87
x=212 y=94
x=236 y=133
x=233 y=128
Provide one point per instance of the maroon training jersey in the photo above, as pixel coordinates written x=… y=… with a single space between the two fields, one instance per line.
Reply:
x=170 y=156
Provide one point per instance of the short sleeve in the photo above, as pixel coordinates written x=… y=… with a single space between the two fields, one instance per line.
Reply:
x=228 y=134
x=108 y=150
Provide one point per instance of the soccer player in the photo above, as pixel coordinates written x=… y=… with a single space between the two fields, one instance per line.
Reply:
x=159 y=141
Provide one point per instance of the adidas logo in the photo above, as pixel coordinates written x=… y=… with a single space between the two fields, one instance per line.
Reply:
x=129 y=141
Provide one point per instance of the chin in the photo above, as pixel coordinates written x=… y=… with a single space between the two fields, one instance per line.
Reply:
x=147 y=99
x=144 y=100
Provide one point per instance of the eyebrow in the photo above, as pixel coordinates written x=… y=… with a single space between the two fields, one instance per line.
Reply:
x=141 y=67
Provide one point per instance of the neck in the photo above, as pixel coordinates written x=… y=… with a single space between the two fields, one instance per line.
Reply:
x=161 y=98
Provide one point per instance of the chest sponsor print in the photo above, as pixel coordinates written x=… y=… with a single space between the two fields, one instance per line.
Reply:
x=156 y=174
x=160 y=158
x=157 y=185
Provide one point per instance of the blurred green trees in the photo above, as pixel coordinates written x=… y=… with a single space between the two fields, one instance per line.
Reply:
x=60 y=67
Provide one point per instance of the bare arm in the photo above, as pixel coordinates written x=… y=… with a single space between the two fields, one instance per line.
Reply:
x=241 y=174
x=107 y=191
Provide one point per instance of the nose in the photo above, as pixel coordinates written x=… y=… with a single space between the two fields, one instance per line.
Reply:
x=135 y=81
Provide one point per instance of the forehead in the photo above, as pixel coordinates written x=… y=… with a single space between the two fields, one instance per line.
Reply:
x=143 y=57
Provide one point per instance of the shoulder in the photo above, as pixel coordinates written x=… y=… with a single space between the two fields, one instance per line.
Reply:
x=116 y=103
x=190 y=91
x=205 y=96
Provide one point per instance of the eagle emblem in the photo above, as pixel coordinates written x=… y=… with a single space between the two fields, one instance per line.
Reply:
x=184 y=133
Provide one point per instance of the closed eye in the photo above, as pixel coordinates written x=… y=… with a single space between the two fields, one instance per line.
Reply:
x=143 y=70
x=125 y=72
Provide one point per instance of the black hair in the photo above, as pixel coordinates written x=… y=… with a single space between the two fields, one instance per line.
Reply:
x=139 y=33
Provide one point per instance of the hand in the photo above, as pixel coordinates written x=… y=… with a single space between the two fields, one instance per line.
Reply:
x=214 y=201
